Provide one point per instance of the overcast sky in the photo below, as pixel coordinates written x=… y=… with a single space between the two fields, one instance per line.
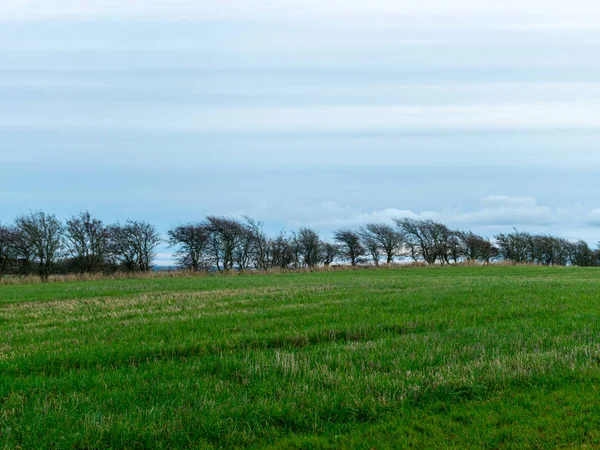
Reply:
x=329 y=113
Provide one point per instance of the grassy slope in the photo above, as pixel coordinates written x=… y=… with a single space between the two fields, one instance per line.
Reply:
x=492 y=357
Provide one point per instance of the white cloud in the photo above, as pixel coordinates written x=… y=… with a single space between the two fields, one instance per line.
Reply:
x=516 y=116
x=261 y=8
x=505 y=200
x=498 y=214
x=372 y=118
x=533 y=215
x=164 y=259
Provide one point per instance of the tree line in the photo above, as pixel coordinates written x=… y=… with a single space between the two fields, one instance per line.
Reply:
x=40 y=243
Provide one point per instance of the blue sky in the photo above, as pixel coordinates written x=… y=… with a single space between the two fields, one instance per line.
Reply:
x=322 y=113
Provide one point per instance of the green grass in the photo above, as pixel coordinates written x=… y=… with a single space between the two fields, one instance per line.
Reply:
x=494 y=357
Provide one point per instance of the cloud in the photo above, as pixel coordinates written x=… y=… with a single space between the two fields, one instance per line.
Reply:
x=533 y=215
x=32 y=9
x=505 y=200
x=499 y=213
x=503 y=210
x=593 y=218
x=322 y=118
x=163 y=259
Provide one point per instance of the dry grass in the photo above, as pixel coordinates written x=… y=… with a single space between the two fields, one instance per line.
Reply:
x=175 y=273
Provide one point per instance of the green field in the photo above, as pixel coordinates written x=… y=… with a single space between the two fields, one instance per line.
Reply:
x=479 y=357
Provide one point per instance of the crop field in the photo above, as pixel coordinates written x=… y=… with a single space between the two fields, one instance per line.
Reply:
x=478 y=357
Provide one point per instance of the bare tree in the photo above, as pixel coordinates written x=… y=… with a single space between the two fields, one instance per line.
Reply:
x=191 y=243
x=309 y=248
x=134 y=244
x=583 y=255
x=469 y=245
x=87 y=240
x=474 y=247
x=547 y=250
x=260 y=243
x=280 y=252
x=39 y=242
x=24 y=250
x=351 y=247
x=225 y=236
x=388 y=240
x=43 y=234
x=7 y=248
x=426 y=239
x=245 y=251
x=512 y=246
x=330 y=253
x=443 y=239
x=415 y=240
x=454 y=249
x=552 y=250
x=122 y=249
x=372 y=247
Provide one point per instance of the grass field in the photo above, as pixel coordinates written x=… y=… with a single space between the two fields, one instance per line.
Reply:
x=492 y=357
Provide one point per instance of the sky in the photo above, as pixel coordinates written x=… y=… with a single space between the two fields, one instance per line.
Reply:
x=330 y=113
